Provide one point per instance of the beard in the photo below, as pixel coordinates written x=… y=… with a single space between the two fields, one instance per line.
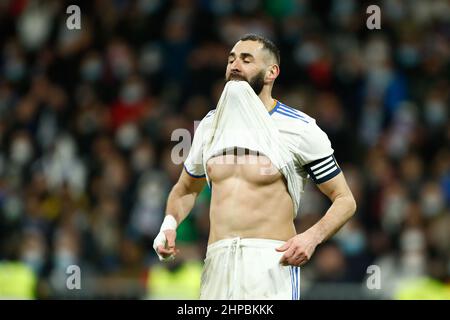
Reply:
x=256 y=82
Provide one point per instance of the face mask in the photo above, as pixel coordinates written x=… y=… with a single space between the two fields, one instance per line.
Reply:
x=412 y=241
x=150 y=60
x=127 y=136
x=353 y=243
x=432 y=204
x=34 y=259
x=64 y=258
x=435 y=113
x=21 y=151
x=408 y=56
x=15 y=70
x=307 y=53
x=12 y=207
x=65 y=149
x=379 y=78
x=141 y=160
x=91 y=70
x=152 y=193
x=131 y=93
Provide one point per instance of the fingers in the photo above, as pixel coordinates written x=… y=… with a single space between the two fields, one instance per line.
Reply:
x=302 y=262
x=164 y=245
x=294 y=257
x=165 y=251
x=287 y=256
x=284 y=247
x=297 y=250
x=170 y=243
x=170 y=236
x=299 y=260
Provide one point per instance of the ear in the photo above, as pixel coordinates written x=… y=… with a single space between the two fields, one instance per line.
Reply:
x=272 y=72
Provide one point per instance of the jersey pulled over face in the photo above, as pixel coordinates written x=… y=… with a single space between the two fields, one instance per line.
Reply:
x=249 y=198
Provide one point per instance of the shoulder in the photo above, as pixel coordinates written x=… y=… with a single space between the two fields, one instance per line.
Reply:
x=207 y=119
x=201 y=126
x=292 y=119
x=210 y=113
x=283 y=111
x=306 y=137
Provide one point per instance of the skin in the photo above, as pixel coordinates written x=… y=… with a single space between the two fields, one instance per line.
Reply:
x=245 y=203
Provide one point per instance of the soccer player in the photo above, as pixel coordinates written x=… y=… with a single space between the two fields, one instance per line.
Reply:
x=254 y=251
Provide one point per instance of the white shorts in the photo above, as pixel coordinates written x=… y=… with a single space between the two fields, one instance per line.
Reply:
x=240 y=269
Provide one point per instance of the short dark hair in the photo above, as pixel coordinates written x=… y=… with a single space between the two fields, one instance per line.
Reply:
x=267 y=44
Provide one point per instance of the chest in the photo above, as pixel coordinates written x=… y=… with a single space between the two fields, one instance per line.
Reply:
x=244 y=164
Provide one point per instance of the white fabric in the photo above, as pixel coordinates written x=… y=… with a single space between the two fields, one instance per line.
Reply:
x=169 y=223
x=248 y=269
x=241 y=120
x=299 y=136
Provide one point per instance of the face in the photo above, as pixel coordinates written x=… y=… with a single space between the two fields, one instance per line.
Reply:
x=248 y=61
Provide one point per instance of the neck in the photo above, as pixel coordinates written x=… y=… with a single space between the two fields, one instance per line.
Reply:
x=267 y=99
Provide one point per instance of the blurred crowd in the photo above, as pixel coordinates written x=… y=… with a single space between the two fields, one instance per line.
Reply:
x=86 y=118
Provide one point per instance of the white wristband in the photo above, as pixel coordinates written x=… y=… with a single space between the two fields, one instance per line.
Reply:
x=169 y=223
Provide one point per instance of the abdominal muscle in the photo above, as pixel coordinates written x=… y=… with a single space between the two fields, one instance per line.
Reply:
x=247 y=201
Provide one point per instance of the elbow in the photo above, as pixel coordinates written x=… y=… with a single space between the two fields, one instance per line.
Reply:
x=352 y=206
x=349 y=205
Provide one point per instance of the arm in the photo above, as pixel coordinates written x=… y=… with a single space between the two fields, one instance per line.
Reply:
x=342 y=209
x=180 y=202
x=300 y=248
x=182 y=197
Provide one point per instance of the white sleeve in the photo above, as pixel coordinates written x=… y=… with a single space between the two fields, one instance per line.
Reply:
x=316 y=154
x=194 y=161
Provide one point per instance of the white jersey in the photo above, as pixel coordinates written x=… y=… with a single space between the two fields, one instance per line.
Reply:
x=309 y=147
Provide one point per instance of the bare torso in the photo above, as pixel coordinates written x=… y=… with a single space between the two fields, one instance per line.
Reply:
x=246 y=203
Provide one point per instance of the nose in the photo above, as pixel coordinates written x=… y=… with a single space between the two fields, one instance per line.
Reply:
x=235 y=66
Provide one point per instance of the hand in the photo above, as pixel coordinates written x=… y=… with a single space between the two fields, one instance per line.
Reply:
x=164 y=245
x=298 y=250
